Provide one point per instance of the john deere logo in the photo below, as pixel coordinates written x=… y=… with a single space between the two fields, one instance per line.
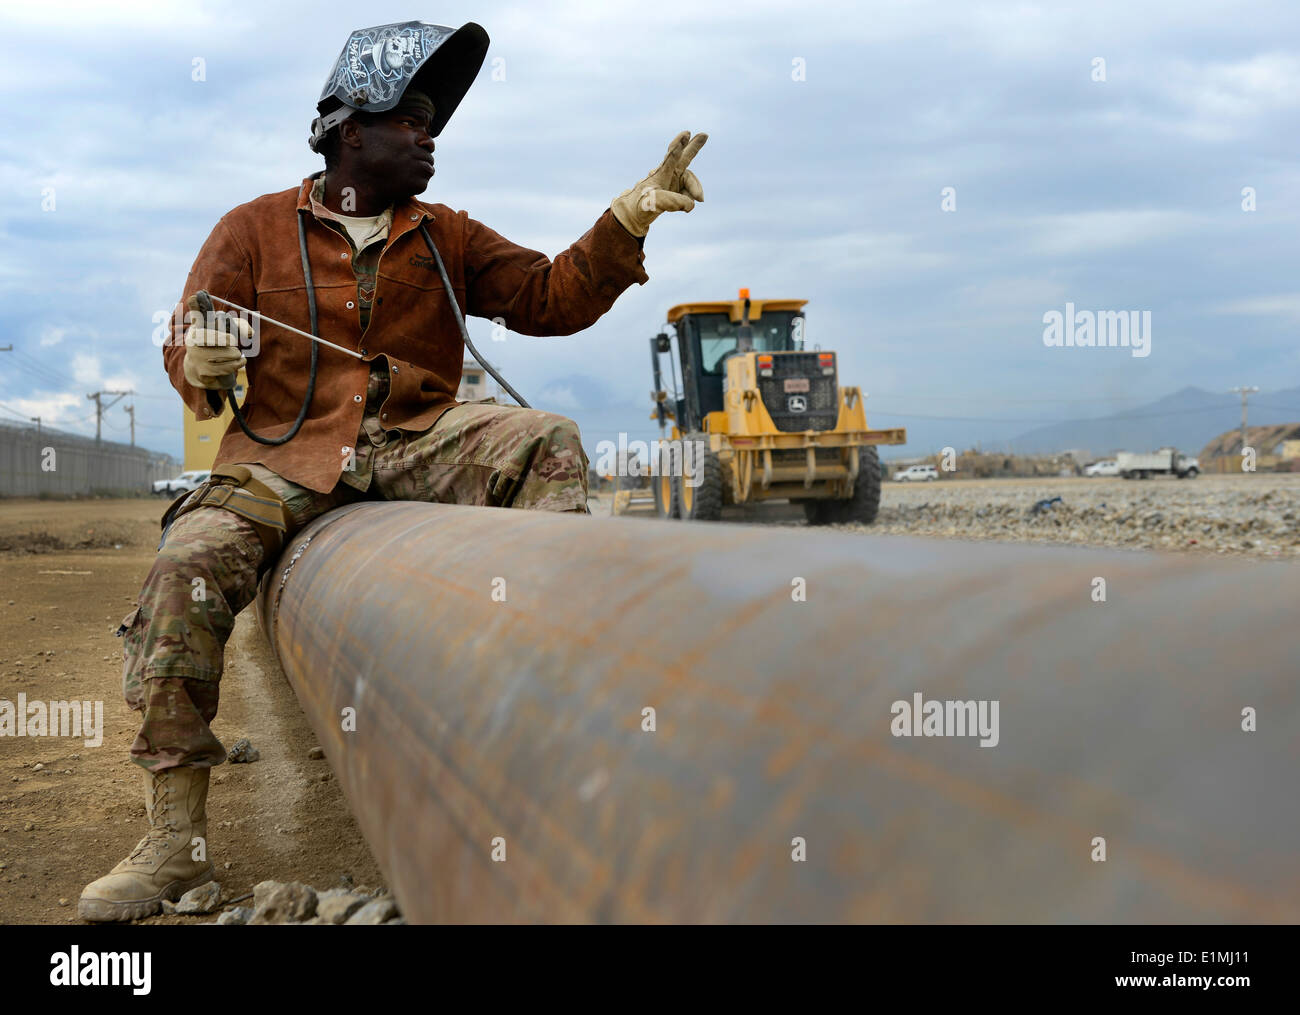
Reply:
x=797 y=403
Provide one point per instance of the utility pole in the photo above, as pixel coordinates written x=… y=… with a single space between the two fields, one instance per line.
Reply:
x=100 y=407
x=1245 y=393
x=37 y=421
x=130 y=411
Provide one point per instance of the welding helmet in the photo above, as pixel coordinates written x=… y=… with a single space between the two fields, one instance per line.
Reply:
x=377 y=66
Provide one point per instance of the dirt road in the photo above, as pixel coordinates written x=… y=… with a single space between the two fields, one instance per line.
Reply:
x=69 y=571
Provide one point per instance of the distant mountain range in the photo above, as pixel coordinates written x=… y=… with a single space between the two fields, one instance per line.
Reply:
x=1187 y=419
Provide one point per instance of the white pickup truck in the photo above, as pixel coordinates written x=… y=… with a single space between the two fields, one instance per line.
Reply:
x=1105 y=467
x=916 y=474
x=1167 y=461
x=185 y=481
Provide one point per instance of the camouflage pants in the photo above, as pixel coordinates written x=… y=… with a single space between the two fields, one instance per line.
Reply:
x=208 y=566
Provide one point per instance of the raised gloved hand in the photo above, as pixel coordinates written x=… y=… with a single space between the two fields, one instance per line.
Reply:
x=212 y=353
x=671 y=187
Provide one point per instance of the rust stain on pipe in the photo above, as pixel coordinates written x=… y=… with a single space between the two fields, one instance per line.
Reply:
x=522 y=719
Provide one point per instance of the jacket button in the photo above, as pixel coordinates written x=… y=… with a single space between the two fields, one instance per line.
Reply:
x=363 y=352
x=384 y=416
x=345 y=449
x=343 y=256
x=394 y=369
x=414 y=217
x=350 y=304
x=356 y=398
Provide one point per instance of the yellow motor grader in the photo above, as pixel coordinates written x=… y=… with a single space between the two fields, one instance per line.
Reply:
x=758 y=417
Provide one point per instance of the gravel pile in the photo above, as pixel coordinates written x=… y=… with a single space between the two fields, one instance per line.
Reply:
x=1256 y=515
x=281 y=902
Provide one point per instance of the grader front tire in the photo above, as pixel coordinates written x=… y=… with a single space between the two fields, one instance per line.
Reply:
x=699 y=495
x=862 y=507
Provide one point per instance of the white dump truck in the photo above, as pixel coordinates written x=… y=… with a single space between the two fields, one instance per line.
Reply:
x=1167 y=461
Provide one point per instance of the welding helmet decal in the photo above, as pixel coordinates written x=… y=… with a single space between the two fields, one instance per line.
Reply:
x=378 y=64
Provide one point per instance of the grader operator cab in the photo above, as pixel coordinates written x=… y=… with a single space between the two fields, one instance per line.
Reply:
x=757 y=417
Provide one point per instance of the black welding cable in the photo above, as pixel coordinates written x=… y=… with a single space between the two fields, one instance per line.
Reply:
x=464 y=332
x=315 y=351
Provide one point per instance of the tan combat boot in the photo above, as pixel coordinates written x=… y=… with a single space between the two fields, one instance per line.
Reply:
x=160 y=867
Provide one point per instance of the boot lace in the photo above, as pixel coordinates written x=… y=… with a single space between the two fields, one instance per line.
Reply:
x=158 y=838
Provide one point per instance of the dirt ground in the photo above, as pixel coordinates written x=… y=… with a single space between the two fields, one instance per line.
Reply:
x=69 y=572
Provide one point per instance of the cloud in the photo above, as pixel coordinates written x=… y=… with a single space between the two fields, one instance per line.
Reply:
x=85 y=368
x=1244 y=88
x=59 y=410
x=1081 y=233
x=558 y=398
x=1122 y=193
x=1285 y=305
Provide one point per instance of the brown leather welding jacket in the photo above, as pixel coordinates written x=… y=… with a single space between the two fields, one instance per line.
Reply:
x=252 y=258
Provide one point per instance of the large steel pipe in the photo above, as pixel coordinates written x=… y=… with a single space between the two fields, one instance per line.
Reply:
x=499 y=664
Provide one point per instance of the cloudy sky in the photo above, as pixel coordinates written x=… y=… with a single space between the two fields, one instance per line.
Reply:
x=834 y=131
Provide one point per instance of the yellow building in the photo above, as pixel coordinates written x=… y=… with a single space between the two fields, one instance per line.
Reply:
x=203 y=437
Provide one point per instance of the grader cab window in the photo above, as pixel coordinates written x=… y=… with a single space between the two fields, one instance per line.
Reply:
x=773 y=332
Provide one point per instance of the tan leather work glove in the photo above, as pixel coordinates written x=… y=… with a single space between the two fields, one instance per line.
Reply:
x=212 y=355
x=671 y=187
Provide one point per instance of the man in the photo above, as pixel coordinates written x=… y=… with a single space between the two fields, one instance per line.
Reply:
x=349 y=255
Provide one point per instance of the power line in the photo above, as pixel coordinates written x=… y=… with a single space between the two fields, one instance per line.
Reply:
x=45 y=368
x=26 y=418
x=52 y=367
x=42 y=374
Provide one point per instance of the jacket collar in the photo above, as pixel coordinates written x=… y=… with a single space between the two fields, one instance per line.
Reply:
x=407 y=215
x=410 y=211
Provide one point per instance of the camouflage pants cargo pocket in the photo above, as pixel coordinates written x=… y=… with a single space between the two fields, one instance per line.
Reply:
x=489 y=455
